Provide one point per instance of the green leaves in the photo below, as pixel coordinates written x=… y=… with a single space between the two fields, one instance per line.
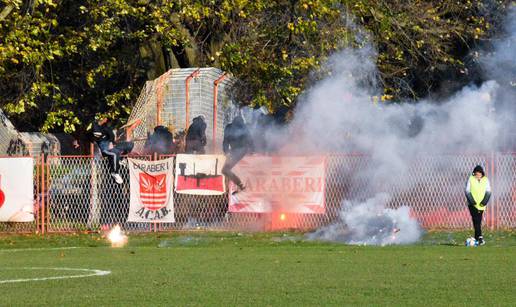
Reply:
x=63 y=61
x=274 y=49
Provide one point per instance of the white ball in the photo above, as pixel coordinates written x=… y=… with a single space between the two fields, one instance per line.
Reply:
x=471 y=242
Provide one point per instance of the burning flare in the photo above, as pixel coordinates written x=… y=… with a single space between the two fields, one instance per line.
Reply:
x=117 y=237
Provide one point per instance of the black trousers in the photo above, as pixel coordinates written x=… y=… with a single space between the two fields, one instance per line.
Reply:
x=113 y=154
x=476 y=217
x=231 y=160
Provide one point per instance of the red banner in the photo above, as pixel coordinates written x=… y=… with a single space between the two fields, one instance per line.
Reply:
x=280 y=184
x=151 y=191
x=200 y=174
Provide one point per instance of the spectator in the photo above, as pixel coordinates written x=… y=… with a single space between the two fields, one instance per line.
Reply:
x=264 y=124
x=105 y=138
x=160 y=141
x=196 y=136
x=237 y=143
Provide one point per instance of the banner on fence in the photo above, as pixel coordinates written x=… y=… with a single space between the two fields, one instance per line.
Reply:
x=151 y=191
x=200 y=174
x=280 y=184
x=16 y=189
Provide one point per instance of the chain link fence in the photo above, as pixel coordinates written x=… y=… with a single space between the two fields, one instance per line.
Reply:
x=432 y=186
x=81 y=195
x=504 y=190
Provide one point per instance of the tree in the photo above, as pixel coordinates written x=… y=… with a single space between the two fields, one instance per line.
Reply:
x=61 y=62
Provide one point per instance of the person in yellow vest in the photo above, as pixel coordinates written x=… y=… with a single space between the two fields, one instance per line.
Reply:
x=478 y=192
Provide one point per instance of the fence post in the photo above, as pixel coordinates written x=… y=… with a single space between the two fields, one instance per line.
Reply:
x=194 y=74
x=93 y=218
x=42 y=187
x=159 y=96
x=155 y=158
x=215 y=102
x=37 y=201
x=494 y=181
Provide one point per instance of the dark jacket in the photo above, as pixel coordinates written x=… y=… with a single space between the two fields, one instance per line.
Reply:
x=161 y=141
x=237 y=137
x=197 y=131
x=103 y=135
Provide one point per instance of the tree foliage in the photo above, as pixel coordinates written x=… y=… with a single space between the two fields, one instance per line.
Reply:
x=63 y=61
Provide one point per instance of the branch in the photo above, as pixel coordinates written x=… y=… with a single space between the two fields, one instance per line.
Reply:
x=6 y=11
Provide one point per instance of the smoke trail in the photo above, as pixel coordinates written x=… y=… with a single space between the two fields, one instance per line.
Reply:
x=370 y=223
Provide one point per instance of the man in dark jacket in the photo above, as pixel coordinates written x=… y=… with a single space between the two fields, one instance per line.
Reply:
x=161 y=141
x=196 y=136
x=237 y=143
x=105 y=138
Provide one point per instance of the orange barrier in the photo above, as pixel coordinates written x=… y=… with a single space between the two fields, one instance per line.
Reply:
x=77 y=193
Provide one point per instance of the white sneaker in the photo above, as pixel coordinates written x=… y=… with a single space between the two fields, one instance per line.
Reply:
x=481 y=241
x=239 y=189
x=118 y=178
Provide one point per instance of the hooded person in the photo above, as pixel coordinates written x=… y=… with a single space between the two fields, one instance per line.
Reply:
x=236 y=144
x=161 y=141
x=196 y=136
x=104 y=136
x=264 y=124
x=478 y=193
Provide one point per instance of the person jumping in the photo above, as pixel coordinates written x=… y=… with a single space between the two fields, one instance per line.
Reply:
x=237 y=143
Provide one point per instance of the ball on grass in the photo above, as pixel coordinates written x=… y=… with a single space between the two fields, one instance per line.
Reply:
x=471 y=242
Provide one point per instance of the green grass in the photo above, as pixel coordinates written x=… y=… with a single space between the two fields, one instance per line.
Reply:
x=278 y=269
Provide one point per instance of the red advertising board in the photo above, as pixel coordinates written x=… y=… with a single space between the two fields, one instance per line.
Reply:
x=274 y=184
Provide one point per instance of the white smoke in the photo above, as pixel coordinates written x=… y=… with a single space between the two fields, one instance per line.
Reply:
x=337 y=115
x=500 y=63
x=370 y=223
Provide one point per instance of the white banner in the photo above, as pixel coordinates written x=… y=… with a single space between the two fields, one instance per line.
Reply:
x=16 y=189
x=200 y=174
x=151 y=191
x=280 y=184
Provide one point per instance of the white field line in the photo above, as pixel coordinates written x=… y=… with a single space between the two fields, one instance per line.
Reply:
x=36 y=249
x=88 y=273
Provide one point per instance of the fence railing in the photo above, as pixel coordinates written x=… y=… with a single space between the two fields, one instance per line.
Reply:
x=77 y=193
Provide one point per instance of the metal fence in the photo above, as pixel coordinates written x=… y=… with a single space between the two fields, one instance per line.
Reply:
x=76 y=193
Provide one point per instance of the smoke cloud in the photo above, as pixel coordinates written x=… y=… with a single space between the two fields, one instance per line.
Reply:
x=500 y=64
x=338 y=115
x=370 y=223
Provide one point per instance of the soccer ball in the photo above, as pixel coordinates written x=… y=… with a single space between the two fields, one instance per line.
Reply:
x=471 y=242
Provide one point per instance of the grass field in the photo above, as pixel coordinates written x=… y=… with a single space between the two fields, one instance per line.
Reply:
x=278 y=269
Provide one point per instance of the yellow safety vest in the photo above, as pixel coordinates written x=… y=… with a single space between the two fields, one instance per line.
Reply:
x=478 y=190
